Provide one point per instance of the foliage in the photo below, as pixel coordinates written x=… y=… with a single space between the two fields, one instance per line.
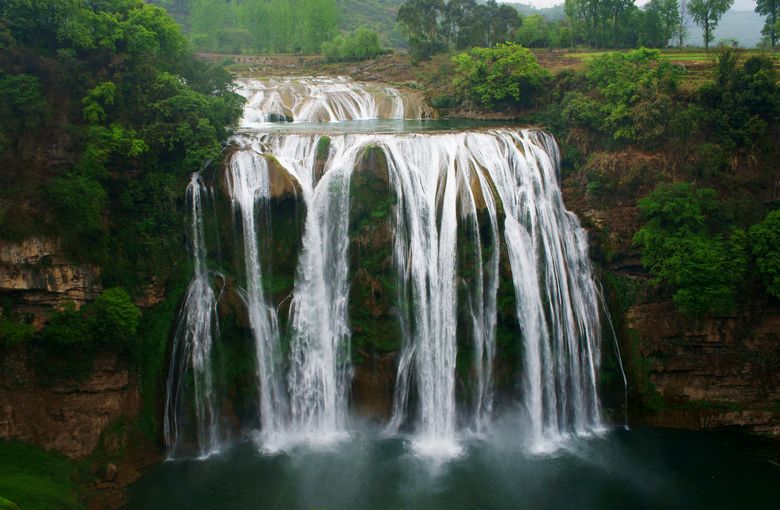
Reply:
x=299 y=26
x=680 y=248
x=116 y=316
x=35 y=479
x=127 y=108
x=633 y=96
x=13 y=332
x=742 y=102
x=707 y=14
x=765 y=245
x=362 y=44
x=433 y=26
x=503 y=74
x=111 y=318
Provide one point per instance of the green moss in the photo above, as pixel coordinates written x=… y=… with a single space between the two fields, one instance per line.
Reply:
x=7 y=505
x=35 y=479
x=157 y=326
x=373 y=293
x=13 y=332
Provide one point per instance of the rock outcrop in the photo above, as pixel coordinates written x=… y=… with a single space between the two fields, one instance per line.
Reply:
x=38 y=277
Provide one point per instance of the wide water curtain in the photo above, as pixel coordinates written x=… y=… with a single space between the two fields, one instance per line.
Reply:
x=468 y=220
x=190 y=392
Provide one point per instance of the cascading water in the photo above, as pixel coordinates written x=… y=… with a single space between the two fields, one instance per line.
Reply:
x=249 y=189
x=473 y=198
x=555 y=292
x=319 y=99
x=192 y=345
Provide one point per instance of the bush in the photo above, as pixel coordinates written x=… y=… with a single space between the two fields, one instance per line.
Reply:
x=765 y=245
x=633 y=97
x=116 y=316
x=362 y=44
x=78 y=203
x=680 y=248
x=14 y=332
x=113 y=317
x=505 y=74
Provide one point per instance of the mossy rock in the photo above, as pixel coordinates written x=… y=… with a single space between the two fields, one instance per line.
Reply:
x=373 y=293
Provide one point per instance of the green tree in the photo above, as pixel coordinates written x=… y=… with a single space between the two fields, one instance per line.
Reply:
x=770 y=9
x=681 y=248
x=420 y=22
x=116 y=316
x=505 y=74
x=765 y=245
x=362 y=44
x=632 y=100
x=707 y=14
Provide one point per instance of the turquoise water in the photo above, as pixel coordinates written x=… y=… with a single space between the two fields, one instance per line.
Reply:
x=639 y=469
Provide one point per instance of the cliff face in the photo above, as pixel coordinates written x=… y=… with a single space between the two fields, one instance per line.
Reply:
x=67 y=416
x=36 y=275
x=714 y=372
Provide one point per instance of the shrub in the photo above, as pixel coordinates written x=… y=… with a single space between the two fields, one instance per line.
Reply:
x=362 y=44
x=116 y=316
x=14 y=332
x=111 y=317
x=505 y=74
x=765 y=245
x=680 y=248
x=633 y=97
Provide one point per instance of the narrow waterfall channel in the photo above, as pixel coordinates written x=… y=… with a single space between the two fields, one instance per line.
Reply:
x=467 y=211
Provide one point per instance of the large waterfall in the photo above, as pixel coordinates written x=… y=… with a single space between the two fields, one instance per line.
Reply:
x=467 y=208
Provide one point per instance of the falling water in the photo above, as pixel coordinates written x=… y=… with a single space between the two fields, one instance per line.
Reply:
x=319 y=99
x=249 y=189
x=503 y=177
x=192 y=345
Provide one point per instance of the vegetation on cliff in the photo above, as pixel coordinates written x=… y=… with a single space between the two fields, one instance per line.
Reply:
x=33 y=479
x=104 y=112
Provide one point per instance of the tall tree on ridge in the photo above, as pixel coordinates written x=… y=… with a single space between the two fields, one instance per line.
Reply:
x=707 y=14
x=770 y=9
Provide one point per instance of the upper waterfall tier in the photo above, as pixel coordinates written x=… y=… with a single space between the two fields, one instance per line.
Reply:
x=320 y=99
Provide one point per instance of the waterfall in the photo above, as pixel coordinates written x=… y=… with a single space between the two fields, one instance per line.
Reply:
x=193 y=341
x=319 y=99
x=249 y=190
x=487 y=200
x=441 y=181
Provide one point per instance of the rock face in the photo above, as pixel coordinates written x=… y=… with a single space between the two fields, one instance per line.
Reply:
x=703 y=373
x=68 y=417
x=719 y=372
x=37 y=275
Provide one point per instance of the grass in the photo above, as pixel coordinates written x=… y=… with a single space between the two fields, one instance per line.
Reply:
x=34 y=479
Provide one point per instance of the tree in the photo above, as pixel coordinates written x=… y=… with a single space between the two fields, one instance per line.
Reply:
x=680 y=247
x=420 y=21
x=770 y=9
x=682 y=31
x=670 y=19
x=504 y=74
x=707 y=14
x=765 y=245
